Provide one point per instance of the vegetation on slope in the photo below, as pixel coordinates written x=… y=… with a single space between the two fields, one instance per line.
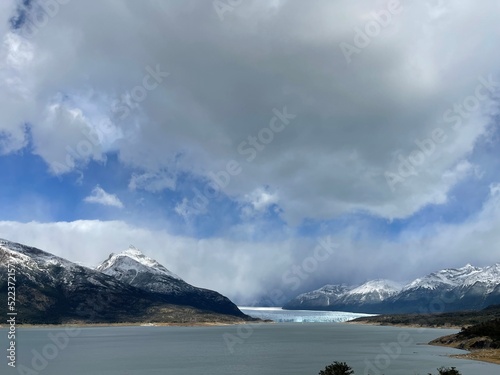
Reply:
x=342 y=368
x=483 y=340
x=442 y=320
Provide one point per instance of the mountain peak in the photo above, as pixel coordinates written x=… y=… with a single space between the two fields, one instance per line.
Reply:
x=468 y=268
x=133 y=251
x=377 y=285
x=133 y=260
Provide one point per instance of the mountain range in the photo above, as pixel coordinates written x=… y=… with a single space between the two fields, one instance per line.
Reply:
x=453 y=289
x=127 y=287
x=131 y=287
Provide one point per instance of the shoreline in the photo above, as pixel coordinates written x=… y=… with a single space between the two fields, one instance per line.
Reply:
x=104 y=325
x=482 y=355
x=400 y=325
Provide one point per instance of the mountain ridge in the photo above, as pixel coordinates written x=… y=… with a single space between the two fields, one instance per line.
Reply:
x=450 y=289
x=136 y=269
x=53 y=290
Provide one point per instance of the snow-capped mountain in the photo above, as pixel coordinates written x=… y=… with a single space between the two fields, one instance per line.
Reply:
x=132 y=262
x=489 y=277
x=136 y=269
x=50 y=289
x=451 y=289
x=373 y=291
x=341 y=297
x=445 y=279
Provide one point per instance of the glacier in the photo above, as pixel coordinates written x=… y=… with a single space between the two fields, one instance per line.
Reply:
x=279 y=315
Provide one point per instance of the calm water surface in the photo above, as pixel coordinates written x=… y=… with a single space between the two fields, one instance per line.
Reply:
x=286 y=348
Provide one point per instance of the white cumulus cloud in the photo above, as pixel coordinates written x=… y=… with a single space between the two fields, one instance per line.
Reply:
x=100 y=196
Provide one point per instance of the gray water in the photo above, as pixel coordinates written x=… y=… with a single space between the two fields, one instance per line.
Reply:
x=287 y=348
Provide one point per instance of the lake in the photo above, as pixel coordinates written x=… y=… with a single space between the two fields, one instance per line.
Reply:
x=265 y=349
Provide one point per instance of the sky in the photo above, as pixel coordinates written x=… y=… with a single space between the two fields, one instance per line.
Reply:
x=258 y=148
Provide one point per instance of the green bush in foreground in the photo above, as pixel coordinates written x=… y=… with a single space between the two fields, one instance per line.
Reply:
x=341 y=368
x=448 y=371
x=337 y=368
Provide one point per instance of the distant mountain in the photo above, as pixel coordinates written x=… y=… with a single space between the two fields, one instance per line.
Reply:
x=345 y=298
x=50 y=289
x=466 y=288
x=371 y=292
x=328 y=295
x=136 y=269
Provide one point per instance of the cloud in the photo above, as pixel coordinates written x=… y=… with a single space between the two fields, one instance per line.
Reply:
x=187 y=211
x=153 y=181
x=99 y=196
x=247 y=271
x=224 y=265
x=258 y=201
x=313 y=135
x=226 y=79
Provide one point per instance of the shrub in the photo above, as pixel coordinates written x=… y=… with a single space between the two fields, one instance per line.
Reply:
x=448 y=371
x=341 y=368
x=337 y=368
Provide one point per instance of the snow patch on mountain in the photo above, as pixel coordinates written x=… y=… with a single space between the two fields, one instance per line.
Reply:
x=374 y=290
x=489 y=277
x=31 y=257
x=471 y=287
x=371 y=291
x=133 y=260
x=453 y=277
